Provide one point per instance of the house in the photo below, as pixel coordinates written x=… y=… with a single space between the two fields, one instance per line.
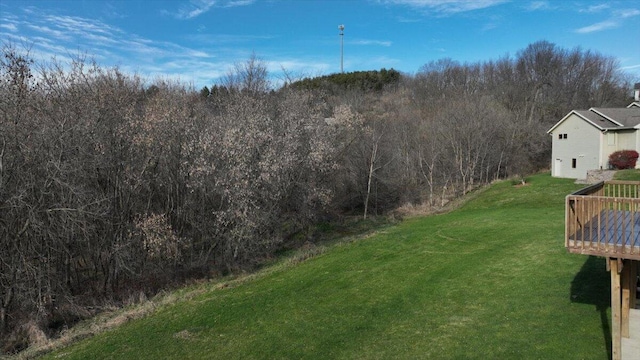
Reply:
x=584 y=139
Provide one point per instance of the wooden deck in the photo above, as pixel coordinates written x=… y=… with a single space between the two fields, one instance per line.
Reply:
x=604 y=220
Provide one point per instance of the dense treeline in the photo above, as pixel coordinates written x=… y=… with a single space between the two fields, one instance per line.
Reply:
x=111 y=187
x=358 y=80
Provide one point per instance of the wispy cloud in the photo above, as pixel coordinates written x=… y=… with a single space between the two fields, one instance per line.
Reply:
x=538 y=5
x=403 y=19
x=78 y=25
x=371 y=42
x=616 y=19
x=297 y=66
x=490 y=25
x=217 y=39
x=195 y=9
x=64 y=37
x=595 y=8
x=447 y=7
x=626 y=13
x=77 y=32
x=10 y=27
x=604 y=25
x=630 y=67
x=8 y=22
x=111 y=11
x=379 y=62
x=61 y=35
x=239 y=3
x=199 y=7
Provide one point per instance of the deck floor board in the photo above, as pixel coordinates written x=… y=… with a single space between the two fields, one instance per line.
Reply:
x=611 y=228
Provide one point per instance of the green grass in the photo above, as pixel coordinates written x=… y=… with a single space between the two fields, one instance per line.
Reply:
x=629 y=174
x=491 y=280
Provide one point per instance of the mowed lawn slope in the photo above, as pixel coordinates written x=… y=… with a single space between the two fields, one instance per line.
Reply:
x=491 y=280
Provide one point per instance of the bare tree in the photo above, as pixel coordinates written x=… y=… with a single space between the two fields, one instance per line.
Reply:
x=250 y=76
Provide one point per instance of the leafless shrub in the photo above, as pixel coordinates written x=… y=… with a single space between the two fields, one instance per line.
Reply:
x=158 y=239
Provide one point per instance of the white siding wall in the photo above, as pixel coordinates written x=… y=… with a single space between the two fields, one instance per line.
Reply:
x=583 y=143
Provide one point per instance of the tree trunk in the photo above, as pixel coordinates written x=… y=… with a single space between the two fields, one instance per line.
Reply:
x=372 y=161
x=4 y=306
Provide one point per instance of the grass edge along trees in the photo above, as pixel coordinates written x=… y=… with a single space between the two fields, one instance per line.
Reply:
x=489 y=280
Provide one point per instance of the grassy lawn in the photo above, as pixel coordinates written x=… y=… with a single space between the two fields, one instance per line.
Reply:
x=630 y=174
x=491 y=280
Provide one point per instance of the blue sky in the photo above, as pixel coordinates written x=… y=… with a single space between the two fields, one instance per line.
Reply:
x=197 y=41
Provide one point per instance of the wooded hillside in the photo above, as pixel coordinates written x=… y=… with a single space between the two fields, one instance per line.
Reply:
x=112 y=187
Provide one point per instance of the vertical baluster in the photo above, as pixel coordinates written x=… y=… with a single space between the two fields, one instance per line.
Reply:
x=598 y=213
x=634 y=237
x=632 y=219
x=568 y=221
x=627 y=224
x=607 y=224
x=616 y=224
x=590 y=216
x=582 y=232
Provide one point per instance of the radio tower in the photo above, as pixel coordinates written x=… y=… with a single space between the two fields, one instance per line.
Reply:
x=341 y=28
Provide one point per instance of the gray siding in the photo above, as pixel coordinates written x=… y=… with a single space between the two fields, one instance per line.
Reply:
x=627 y=140
x=622 y=140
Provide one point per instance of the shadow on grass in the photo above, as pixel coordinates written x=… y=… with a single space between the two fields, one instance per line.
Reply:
x=591 y=286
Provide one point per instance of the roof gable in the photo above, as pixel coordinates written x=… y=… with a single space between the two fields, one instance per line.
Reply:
x=607 y=118
x=582 y=114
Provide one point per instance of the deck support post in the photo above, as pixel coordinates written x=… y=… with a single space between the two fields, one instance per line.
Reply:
x=616 y=302
x=633 y=283
x=626 y=298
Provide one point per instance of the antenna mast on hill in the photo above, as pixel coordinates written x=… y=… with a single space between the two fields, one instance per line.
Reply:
x=341 y=28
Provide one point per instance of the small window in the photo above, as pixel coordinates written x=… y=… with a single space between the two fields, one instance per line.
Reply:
x=560 y=136
x=573 y=163
x=564 y=136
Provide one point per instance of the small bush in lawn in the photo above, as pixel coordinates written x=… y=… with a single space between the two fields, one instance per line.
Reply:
x=623 y=159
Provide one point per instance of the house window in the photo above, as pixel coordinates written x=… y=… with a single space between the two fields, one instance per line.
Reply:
x=573 y=163
x=562 y=136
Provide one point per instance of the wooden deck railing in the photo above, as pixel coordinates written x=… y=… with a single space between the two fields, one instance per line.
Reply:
x=604 y=220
